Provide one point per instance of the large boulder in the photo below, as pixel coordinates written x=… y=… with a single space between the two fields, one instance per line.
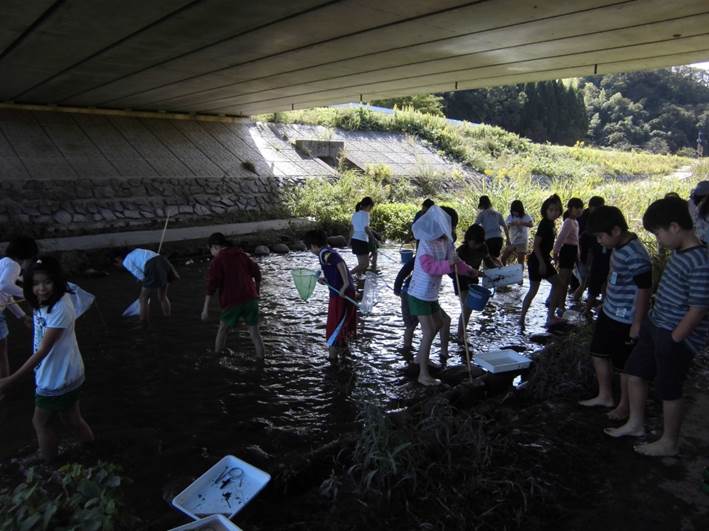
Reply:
x=298 y=246
x=280 y=248
x=261 y=250
x=337 y=241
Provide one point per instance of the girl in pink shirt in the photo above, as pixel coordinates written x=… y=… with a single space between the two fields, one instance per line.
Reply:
x=566 y=251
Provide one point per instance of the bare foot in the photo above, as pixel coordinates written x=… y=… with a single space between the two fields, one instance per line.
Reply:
x=625 y=430
x=659 y=448
x=428 y=381
x=597 y=401
x=619 y=413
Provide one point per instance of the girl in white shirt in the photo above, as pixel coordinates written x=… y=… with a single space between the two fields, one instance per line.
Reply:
x=57 y=362
x=518 y=223
x=361 y=236
x=18 y=255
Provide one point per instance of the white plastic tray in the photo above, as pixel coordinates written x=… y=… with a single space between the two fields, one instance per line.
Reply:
x=215 y=522
x=503 y=276
x=222 y=489
x=502 y=361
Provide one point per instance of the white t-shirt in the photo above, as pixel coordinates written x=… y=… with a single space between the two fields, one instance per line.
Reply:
x=62 y=370
x=360 y=220
x=492 y=221
x=135 y=261
x=9 y=274
x=519 y=234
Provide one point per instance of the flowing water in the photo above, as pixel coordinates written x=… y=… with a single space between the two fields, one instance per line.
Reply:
x=166 y=407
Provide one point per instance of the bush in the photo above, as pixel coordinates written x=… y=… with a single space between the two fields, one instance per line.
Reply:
x=393 y=220
x=74 y=497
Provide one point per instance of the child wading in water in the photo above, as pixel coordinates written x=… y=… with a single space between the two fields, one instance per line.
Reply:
x=624 y=306
x=475 y=253
x=539 y=261
x=154 y=271
x=57 y=362
x=362 y=238
x=401 y=289
x=341 y=313
x=493 y=223
x=518 y=223
x=435 y=257
x=675 y=330
x=566 y=252
x=237 y=278
x=19 y=253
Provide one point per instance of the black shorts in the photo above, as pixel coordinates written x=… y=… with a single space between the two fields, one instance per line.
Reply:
x=658 y=357
x=494 y=246
x=359 y=247
x=533 y=268
x=568 y=255
x=611 y=339
x=157 y=273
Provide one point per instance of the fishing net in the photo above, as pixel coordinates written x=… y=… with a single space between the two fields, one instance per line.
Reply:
x=305 y=281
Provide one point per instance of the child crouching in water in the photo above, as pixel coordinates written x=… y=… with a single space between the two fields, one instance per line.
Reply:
x=57 y=362
x=237 y=278
x=475 y=253
x=435 y=257
x=341 y=313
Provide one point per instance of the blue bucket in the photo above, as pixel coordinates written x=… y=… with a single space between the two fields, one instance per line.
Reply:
x=406 y=255
x=477 y=297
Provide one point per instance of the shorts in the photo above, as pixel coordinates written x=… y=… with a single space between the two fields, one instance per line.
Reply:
x=494 y=245
x=611 y=339
x=58 y=403
x=341 y=323
x=157 y=273
x=248 y=311
x=658 y=357
x=533 y=268
x=4 y=330
x=409 y=320
x=568 y=256
x=419 y=307
x=359 y=247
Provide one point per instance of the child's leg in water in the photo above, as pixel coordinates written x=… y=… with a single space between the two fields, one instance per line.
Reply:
x=73 y=419
x=528 y=298
x=256 y=340
x=409 y=336
x=555 y=298
x=220 y=340
x=46 y=434
x=164 y=302
x=144 y=298
x=464 y=318
x=429 y=326
x=362 y=264
x=444 y=324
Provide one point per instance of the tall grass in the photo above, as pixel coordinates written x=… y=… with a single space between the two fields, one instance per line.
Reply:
x=511 y=167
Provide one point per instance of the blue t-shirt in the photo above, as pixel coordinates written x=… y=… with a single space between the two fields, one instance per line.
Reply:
x=628 y=261
x=329 y=258
x=492 y=221
x=684 y=284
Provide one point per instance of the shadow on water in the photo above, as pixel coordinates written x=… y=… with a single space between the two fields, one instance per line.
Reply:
x=166 y=407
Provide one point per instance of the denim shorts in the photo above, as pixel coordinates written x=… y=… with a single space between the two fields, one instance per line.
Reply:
x=4 y=332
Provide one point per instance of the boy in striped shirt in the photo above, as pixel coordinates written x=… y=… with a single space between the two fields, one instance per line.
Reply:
x=625 y=305
x=676 y=328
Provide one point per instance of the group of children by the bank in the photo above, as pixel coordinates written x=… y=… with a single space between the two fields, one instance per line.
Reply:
x=645 y=344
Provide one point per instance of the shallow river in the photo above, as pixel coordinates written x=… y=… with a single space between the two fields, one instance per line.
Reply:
x=166 y=407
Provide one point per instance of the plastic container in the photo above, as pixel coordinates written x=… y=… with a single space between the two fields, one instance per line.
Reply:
x=215 y=522
x=503 y=276
x=223 y=489
x=406 y=255
x=502 y=361
x=477 y=297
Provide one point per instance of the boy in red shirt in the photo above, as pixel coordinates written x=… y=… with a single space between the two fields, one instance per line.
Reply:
x=238 y=279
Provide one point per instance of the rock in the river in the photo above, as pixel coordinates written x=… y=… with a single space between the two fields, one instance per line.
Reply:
x=261 y=250
x=337 y=241
x=298 y=246
x=280 y=248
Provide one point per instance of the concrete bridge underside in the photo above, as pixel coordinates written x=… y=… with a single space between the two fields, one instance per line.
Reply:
x=227 y=57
